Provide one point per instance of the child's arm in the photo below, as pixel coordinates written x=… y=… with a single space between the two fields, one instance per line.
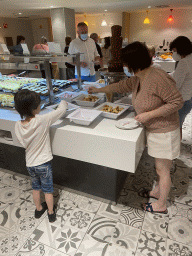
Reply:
x=53 y=116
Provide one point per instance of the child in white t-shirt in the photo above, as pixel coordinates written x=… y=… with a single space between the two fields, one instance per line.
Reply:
x=33 y=134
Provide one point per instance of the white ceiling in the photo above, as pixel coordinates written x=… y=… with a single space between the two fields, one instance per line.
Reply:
x=41 y=8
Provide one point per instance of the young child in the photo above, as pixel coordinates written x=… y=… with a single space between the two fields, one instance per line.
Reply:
x=33 y=134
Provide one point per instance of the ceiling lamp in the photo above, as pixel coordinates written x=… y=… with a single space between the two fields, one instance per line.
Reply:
x=146 y=20
x=170 y=19
x=104 y=23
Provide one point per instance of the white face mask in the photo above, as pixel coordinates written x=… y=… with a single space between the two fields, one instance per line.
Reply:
x=176 y=56
x=84 y=36
x=126 y=71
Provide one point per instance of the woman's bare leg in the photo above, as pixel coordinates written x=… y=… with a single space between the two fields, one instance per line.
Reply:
x=163 y=167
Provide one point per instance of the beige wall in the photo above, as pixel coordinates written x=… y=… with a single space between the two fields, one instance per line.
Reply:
x=40 y=27
x=17 y=27
x=94 y=22
x=159 y=29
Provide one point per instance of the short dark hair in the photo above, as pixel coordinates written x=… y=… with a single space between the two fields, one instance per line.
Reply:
x=43 y=40
x=67 y=40
x=94 y=36
x=81 y=24
x=182 y=44
x=26 y=101
x=136 y=56
x=19 y=39
x=107 y=42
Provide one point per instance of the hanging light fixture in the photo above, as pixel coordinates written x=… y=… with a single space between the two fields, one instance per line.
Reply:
x=146 y=20
x=170 y=19
x=85 y=20
x=104 y=23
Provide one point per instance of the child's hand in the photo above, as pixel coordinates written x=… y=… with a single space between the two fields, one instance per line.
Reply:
x=65 y=103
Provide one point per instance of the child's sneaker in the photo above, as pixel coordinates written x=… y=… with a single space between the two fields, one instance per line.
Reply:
x=52 y=217
x=38 y=214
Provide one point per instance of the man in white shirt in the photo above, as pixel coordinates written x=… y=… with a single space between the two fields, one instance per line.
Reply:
x=85 y=45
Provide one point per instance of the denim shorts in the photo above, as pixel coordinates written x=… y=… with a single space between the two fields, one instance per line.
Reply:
x=42 y=177
x=184 y=111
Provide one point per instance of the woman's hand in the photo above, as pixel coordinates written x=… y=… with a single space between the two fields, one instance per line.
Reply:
x=92 y=90
x=144 y=117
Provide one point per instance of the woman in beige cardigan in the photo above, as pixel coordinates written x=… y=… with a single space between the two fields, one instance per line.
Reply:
x=156 y=101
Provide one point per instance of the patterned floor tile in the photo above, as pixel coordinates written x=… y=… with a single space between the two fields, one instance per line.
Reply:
x=132 y=217
x=125 y=236
x=131 y=199
x=156 y=223
x=118 y=251
x=8 y=195
x=15 y=181
x=80 y=219
x=102 y=228
x=187 y=198
x=176 y=249
x=91 y=247
x=89 y=204
x=65 y=239
x=64 y=211
x=10 y=242
x=110 y=211
x=151 y=244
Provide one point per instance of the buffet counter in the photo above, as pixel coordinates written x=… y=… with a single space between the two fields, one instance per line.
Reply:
x=93 y=159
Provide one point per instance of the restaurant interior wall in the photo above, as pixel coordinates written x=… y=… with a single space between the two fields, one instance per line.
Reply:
x=95 y=20
x=159 y=29
x=41 y=28
x=17 y=27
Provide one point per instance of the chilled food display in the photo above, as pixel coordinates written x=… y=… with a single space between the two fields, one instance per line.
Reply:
x=7 y=100
x=110 y=109
x=116 y=63
x=91 y=98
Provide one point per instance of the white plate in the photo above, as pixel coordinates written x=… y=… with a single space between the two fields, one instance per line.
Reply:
x=84 y=116
x=127 y=124
x=112 y=115
x=86 y=86
x=70 y=108
x=79 y=100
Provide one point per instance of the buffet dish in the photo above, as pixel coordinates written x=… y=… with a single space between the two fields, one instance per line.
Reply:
x=112 y=110
x=87 y=100
x=68 y=95
x=84 y=116
x=70 y=108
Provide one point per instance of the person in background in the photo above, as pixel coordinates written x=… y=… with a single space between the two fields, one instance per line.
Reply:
x=106 y=50
x=67 y=43
x=182 y=52
x=156 y=101
x=33 y=134
x=18 y=48
x=151 y=49
x=95 y=37
x=42 y=47
x=85 y=45
x=70 y=69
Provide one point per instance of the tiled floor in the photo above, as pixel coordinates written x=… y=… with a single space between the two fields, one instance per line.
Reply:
x=87 y=227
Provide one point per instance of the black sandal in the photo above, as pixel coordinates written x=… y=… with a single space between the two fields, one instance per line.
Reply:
x=145 y=193
x=149 y=208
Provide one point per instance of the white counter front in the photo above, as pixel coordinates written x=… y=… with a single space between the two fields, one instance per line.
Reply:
x=100 y=143
x=167 y=65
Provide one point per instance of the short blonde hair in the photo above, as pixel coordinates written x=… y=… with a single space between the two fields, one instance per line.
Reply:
x=151 y=49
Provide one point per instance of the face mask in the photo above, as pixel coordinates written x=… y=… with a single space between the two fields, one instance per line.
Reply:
x=84 y=36
x=126 y=71
x=176 y=56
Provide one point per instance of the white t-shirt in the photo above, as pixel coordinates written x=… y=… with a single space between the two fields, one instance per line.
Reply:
x=34 y=136
x=89 y=50
x=183 y=77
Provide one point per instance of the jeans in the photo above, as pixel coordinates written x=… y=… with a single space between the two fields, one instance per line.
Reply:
x=42 y=177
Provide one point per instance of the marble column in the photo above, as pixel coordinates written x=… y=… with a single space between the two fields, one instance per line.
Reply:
x=63 y=24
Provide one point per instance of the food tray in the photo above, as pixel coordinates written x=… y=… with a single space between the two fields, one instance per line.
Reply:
x=70 y=108
x=84 y=116
x=112 y=115
x=68 y=95
x=80 y=102
x=86 y=85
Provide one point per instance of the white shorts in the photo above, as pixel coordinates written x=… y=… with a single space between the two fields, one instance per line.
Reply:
x=164 y=145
